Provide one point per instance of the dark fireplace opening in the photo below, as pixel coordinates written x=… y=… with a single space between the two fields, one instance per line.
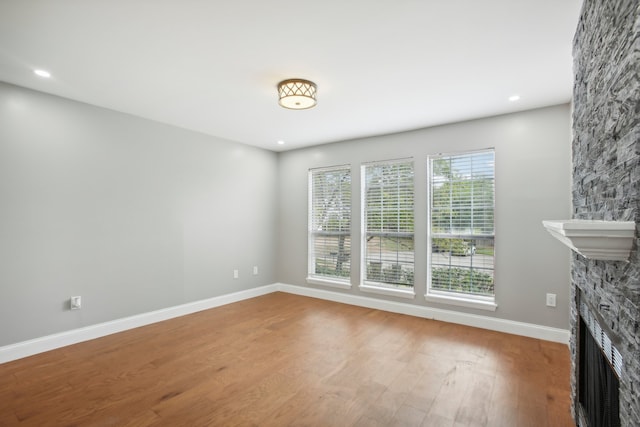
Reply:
x=598 y=385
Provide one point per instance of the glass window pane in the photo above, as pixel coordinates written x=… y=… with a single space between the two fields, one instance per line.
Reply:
x=330 y=223
x=388 y=220
x=462 y=223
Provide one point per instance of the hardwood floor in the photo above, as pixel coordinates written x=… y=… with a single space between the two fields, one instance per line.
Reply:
x=281 y=360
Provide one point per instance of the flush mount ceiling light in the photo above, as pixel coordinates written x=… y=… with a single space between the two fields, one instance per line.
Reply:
x=297 y=94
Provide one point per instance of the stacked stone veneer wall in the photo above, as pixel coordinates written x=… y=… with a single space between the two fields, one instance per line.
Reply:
x=606 y=175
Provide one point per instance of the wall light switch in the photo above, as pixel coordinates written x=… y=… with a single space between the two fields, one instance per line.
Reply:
x=76 y=303
x=235 y=274
x=255 y=270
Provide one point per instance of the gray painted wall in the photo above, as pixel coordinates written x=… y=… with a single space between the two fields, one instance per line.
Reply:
x=130 y=214
x=533 y=178
x=135 y=215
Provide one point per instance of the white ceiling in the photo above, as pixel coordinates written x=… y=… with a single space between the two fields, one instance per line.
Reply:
x=212 y=66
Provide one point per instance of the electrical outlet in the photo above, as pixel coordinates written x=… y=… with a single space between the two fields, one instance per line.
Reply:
x=235 y=274
x=551 y=300
x=75 y=303
x=255 y=270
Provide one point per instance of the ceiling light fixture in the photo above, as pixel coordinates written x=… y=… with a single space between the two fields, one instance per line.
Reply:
x=281 y=142
x=42 y=73
x=297 y=94
x=514 y=98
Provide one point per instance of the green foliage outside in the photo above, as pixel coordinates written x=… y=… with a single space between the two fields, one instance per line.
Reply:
x=327 y=269
x=461 y=204
x=393 y=244
x=462 y=280
x=389 y=202
x=484 y=251
x=456 y=247
x=394 y=275
x=388 y=210
x=332 y=201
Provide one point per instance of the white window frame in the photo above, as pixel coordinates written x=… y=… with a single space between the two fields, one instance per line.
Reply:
x=312 y=276
x=375 y=286
x=483 y=302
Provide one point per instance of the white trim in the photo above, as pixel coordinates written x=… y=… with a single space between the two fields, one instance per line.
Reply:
x=328 y=282
x=492 y=323
x=62 y=339
x=461 y=301
x=594 y=239
x=331 y=168
x=393 y=292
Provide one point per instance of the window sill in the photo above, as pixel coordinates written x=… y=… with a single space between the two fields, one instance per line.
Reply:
x=460 y=301
x=328 y=282
x=383 y=290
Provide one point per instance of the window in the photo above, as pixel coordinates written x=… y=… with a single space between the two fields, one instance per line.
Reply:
x=462 y=226
x=330 y=224
x=387 y=224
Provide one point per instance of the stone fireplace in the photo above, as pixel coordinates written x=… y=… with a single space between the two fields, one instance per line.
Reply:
x=606 y=185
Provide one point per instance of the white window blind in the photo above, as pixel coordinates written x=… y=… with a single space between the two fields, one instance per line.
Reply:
x=462 y=223
x=388 y=250
x=330 y=223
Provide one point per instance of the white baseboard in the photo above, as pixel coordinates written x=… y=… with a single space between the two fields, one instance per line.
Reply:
x=485 y=322
x=62 y=339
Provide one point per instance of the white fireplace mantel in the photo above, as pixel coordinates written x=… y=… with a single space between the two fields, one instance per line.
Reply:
x=601 y=240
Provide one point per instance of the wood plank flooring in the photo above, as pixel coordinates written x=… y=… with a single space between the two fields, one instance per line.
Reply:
x=281 y=360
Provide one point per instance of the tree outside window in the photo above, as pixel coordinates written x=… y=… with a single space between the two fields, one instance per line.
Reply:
x=388 y=241
x=462 y=223
x=330 y=223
